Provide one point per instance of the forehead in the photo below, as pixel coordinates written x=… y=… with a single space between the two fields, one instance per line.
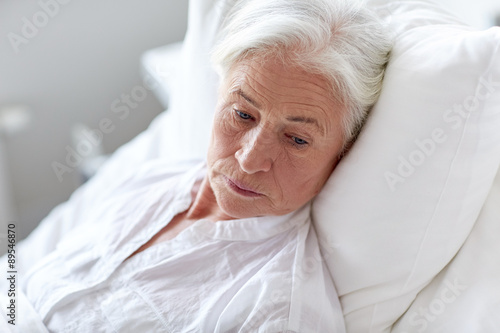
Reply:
x=277 y=78
x=271 y=83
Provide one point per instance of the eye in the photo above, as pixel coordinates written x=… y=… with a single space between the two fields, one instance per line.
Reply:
x=243 y=115
x=298 y=141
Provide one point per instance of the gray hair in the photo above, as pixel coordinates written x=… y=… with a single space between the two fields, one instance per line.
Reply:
x=339 y=39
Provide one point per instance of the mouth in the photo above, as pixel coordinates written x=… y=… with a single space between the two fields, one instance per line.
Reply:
x=241 y=189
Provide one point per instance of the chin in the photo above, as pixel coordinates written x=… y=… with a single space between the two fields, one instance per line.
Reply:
x=239 y=208
x=236 y=208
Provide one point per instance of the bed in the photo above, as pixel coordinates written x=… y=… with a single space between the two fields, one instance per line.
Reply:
x=409 y=222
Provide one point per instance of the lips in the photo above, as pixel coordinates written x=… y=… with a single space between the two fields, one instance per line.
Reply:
x=241 y=189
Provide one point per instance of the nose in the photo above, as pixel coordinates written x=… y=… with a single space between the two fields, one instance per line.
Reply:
x=257 y=151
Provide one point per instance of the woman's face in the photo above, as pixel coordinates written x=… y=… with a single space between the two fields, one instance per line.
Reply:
x=275 y=140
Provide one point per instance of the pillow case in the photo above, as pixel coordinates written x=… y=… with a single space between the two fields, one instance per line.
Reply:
x=403 y=200
x=465 y=296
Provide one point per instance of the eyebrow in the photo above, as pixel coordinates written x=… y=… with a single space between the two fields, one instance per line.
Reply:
x=305 y=120
x=240 y=92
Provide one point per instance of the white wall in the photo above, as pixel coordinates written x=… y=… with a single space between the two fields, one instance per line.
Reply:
x=71 y=70
x=477 y=13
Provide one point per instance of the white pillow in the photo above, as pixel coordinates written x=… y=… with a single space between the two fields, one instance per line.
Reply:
x=465 y=296
x=401 y=203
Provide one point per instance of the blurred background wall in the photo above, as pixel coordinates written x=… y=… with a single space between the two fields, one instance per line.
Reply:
x=64 y=62
x=478 y=13
x=75 y=64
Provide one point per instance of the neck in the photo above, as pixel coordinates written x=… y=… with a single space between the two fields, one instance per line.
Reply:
x=204 y=205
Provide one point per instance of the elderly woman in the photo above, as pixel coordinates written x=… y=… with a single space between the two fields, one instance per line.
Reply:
x=226 y=245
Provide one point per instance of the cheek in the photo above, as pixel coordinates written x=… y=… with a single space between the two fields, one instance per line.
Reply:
x=225 y=123
x=305 y=177
x=223 y=138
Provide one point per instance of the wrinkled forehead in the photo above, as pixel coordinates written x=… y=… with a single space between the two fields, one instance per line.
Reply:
x=270 y=83
x=279 y=82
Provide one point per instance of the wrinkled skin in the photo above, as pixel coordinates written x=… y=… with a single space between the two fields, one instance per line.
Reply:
x=276 y=139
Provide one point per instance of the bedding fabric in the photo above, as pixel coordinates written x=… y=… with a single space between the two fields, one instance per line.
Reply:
x=465 y=296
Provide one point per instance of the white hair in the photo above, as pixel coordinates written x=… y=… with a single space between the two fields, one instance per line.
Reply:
x=338 y=39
